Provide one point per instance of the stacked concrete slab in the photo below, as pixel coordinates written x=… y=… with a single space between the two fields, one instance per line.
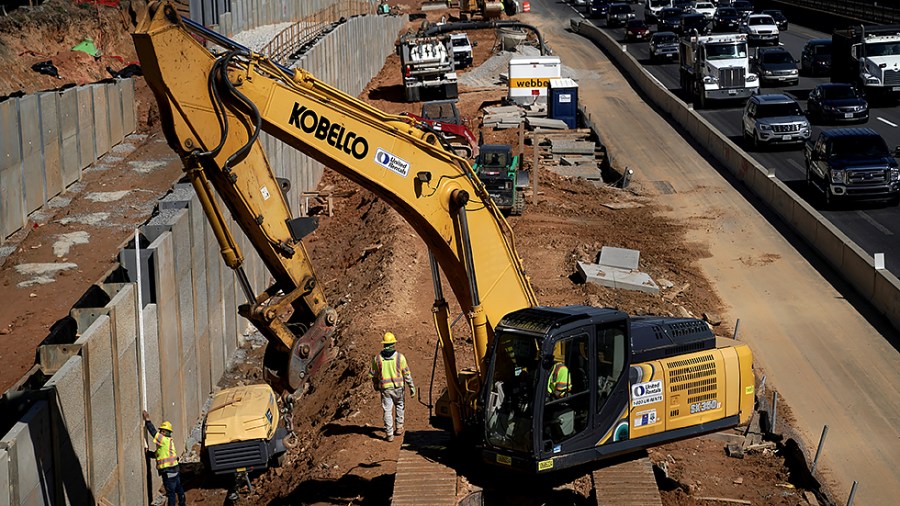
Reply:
x=82 y=443
x=47 y=139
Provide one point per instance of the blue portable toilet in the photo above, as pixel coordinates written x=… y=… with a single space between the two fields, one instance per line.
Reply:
x=562 y=101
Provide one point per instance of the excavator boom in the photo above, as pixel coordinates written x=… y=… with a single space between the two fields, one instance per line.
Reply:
x=212 y=116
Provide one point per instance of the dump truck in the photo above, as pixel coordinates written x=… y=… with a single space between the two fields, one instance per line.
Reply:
x=715 y=68
x=427 y=66
x=868 y=56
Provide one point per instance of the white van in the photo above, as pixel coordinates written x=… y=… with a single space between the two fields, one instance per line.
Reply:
x=652 y=7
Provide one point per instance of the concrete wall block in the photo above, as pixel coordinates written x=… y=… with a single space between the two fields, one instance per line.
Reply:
x=129 y=106
x=67 y=107
x=50 y=144
x=193 y=398
x=100 y=97
x=129 y=395
x=134 y=467
x=86 y=136
x=116 y=121
x=31 y=455
x=96 y=348
x=168 y=314
x=32 y=160
x=174 y=409
x=225 y=21
x=12 y=199
x=69 y=427
x=102 y=438
x=5 y=488
x=181 y=243
x=215 y=306
x=151 y=359
x=124 y=306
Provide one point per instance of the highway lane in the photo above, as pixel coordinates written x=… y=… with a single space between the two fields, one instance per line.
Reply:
x=874 y=226
x=825 y=358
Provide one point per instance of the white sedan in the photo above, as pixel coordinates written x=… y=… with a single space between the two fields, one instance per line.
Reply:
x=705 y=8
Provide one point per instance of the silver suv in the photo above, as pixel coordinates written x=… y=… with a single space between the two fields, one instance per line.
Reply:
x=774 y=119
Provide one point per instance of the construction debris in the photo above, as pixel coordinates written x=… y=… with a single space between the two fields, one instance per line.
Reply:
x=617 y=268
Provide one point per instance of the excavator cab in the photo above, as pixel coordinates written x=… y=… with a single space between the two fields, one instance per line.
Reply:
x=556 y=385
x=567 y=386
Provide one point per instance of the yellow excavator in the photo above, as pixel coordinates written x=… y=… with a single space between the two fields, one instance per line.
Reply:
x=632 y=382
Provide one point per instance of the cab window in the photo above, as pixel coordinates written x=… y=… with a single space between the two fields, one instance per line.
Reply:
x=567 y=390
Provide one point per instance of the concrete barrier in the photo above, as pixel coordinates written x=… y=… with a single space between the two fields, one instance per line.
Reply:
x=847 y=258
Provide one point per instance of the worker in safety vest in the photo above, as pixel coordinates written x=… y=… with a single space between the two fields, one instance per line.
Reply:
x=166 y=460
x=388 y=372
x=560 y=381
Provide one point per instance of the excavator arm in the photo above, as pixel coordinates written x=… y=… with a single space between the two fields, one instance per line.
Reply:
x=213 y=106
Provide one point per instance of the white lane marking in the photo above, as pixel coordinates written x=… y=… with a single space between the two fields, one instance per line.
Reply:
x=881 y=228
x=797 y=165
x=886 y=121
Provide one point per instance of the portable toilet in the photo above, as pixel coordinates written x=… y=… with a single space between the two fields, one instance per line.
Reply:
x=562 y=101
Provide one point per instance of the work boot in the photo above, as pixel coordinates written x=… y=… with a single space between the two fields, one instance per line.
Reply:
x=389 y=438
x=399 y=430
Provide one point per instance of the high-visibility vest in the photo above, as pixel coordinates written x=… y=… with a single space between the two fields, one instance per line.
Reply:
x=165 y=451
x=559 y=383
x=390 y=370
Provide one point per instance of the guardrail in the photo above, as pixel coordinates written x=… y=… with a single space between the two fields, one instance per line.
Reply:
x=877 y=285
x=882 y=12
x=293 y=38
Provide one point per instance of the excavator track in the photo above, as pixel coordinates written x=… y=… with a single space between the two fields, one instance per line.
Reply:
x=630 y=483
x=421 y=479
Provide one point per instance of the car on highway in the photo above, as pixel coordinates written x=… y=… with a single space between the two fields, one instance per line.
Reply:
x=618 y=14
x=705 y=8
x=837 y=102
x=636 y=29
x=852 y=163
x=597 y=8
x=684 y=5
x=774 y=119
x=815 y=59
x=743 y=7
x=652 y=8
x=781 y=20
x=726 y=20
x=695 y=22
x=760 y=29
x=663 y=46
x=775 y=66
x=669 y=20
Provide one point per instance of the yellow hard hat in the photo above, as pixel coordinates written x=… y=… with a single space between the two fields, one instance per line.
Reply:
x=166 y=426
x=389 y=338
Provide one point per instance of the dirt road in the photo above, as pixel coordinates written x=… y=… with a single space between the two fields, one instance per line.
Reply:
x=832 y=364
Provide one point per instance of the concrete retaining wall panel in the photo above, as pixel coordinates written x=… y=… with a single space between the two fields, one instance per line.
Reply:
x=69 y=425
x=181 y=246
x=32 y=162
x=173 y=409
x=215 y=306
x=31 y=450
x=887 y=291
x=100 y=97
x=50 y=144
x=134 y=467
x=230 y=309
x=151 y=359
x=5 y=488
x=859 y=269
x=96 y=348
x=190 y=383
x=67 y=106
x=129 y=116
x=168 y=316
x=12 y=199
x=116 y=122
x=86 y=135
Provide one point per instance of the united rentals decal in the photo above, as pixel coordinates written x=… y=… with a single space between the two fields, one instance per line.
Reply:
x=391 y=162
x=529 y=82
x=334 y=134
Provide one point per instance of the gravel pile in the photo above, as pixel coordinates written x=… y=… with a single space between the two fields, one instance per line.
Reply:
x=256 y=38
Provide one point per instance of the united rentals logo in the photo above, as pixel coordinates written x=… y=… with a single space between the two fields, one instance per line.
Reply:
x=391 y=162
x=530 y=82
x=334 y=134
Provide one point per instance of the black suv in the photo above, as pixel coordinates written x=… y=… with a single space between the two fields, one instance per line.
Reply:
x=852 y=163
x=816 y=57
x=775 y=65
x=780 y=20
x=726 y=19
x=691 y=22
x=669 y=20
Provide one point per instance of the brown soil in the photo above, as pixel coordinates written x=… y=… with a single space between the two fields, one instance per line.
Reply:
x=342 y=458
